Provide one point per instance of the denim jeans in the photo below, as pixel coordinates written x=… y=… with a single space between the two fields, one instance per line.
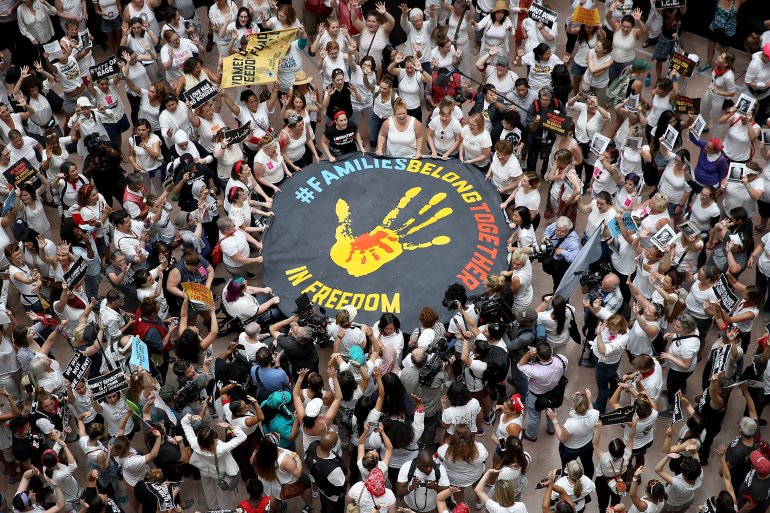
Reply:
x=606 y=381
x=533 y=417
x=375 y=123
x=518 y=379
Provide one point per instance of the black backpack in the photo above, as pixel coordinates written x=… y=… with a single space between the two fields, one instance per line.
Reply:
x=497 y=365
x=413 y=466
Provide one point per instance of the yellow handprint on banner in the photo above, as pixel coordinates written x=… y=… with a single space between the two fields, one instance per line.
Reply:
x=369 y=251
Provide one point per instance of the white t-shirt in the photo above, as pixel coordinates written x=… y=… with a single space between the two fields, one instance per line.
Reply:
x=444 y=138
x=587 y=487
x=474 y=144
x=235 y=244
x=682 y=349
x=503 y=175
x=581 y=428
x=461 y=473
x=530 y=199
x=465 y=414
x=368 y=501
x=553 y=338
x=422 y=495
x=274 y=168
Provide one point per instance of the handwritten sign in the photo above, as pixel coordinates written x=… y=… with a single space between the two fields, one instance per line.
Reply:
x=200 y=93
x=108 y=68
x=199 y=294
x=588 y=17
x=686 y=105
x=20 y=173
x=668 y=4
x=109 y=383
x=77 y=272
x=77 y=368
x=727 y=299
x=682 y=64
x=619 y=416
x=140 y=355
x=556 y=123
x=677 y=414
x=53 y=49
x=540 y=14
x=236 y=135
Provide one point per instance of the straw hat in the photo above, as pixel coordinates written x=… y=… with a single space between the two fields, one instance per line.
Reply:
x=501 y=5
x=301 y=78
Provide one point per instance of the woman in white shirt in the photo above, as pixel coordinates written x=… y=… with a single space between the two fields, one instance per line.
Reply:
x=521 y=279
x=589 y=121
x=401 y=133
x=556 y=321
x=597 y=75
x=240 y=299
x=269 y=163
x=138 y=37
x=612 y=465
x=576 y=434
x=576 y=484
x=511 y=425
x=587 y=37
x=145 y=156
x=207 y=121
x=608 y=347
x=476 y=147
x=742 y=131
x=503 y=498
x=444 y=134
x=540 y=62
x=681 y=356
x=721 y=88
x=463 y=457
x=526 y=194
x=459 y=409
x=410 y=83
x=654 y=498
x=495 y=28
x=673 y=181
x=30 y=207
x=135 y=465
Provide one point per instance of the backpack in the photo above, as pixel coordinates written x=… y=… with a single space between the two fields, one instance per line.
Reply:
x=617 y=90
x=216 y=252
x=413 y=467
x=497 y=365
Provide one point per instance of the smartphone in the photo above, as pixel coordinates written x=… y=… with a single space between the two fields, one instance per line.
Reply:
x=137 y=140
x=373 y=425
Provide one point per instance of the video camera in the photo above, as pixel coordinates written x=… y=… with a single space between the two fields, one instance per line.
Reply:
x=489 y=308
x=541 y=250
x=591 y=280
x=187 y=394
x=439 y=354
x=317 y=322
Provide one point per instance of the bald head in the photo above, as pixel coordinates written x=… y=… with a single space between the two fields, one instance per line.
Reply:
x=610 y=282
x=418 y=357
x=424 y=461
x=328 y=441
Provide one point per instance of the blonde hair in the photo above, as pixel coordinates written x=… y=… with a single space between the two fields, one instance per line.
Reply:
x=580 y=403
x=505 y=494
x=399 y=103
x=575 y=471
x=660 y=200
x=494 y=283
x=519 y=256
x=617 y=322
x=478 y=119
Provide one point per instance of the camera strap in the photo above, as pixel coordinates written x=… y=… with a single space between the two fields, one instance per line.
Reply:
x=560 y=241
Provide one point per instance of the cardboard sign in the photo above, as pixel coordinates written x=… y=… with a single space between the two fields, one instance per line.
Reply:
x=140 y=355
x=764 y=137
x=670 y=137
x=698 y=125
x=587 y=17
x=663 y=237
x=745 y=104
x=53 y=49
x=539 y=13
x=736 y=172
x=556 y=123
x=108 y=68
x=200 y=93
x=682 y=64
x=199 y=294
x=599 y=144
x=727 y=299
x=77 y=368
x=236 y=135
x=77 y=272
x=106 y=384
x=677 y=414
x=20 y=173
x=686 y=105
x=619 y=416
x=668 y=4
x=719 y=359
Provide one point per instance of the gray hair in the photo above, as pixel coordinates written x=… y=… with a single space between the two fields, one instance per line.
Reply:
x=563 y=222
x=38 y=367
x=304 y=334
x=223 y=223
x=134 y=178
x=688 y=322
x=748 y=426
x=545 y=91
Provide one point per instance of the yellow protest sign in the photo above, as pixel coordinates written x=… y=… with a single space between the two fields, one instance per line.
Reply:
x=199 y=295
x=258 y=62
x=589 y=17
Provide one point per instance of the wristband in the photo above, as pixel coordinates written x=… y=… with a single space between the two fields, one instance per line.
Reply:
x=421 y=409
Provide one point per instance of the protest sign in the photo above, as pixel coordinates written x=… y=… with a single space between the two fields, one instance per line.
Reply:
x=709 y=506
x=587 y=17
x=628 y=220
x=619 y=416
x=85 y=40
x=258 y=62
x=718 y=358
x=634 y=142
x=20 y=173
x=698 y=125
x=541 y=14
x=689 y=229
x=663 y=237
x=764 y=137
x=200 y=93
x=727 y=299
x=682 y=64
x=599 y=143
x=236 y=135
x=104 y=69
x=162 y=492
x=77 y=272
x=53 y=49
x=556 y=123
x=633 y=102
x=140 y=355
x=736 y=172
x=76 y=368
x=668 y=4
x=677 y=414
x=670 y=137
x=106 y=384
x=686 y=105
x=199 y=294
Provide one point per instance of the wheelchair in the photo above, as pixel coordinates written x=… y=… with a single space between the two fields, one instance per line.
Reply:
x=230 y=324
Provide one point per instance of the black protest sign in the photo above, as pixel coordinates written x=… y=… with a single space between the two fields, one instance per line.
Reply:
x=686 y=105
x=77 y=368
x=677 y=414
x=709 y=506
x=719 y=359
x=236 y=135
x=162 y=492
x=200 y=93
x=668 y=4
x=682 y=64
x=556 y=123
x=77 y=272
x=539 y=13
x=20 y=173
x=727 y=299
x=104 y=69
x=619 y=416
x=106 y=384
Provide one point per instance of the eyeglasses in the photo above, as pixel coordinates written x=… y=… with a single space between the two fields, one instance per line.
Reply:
x=473 y=125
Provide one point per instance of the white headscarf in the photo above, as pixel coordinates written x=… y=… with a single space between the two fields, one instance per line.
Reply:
x=181 y=137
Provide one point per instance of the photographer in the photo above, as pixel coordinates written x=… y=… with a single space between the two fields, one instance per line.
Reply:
x=544 y=374
x=101 y=164
x=431 y=394
x=565 y=243
x=297 y=345
x=600 y=304
x=191 y=384
x=423 y=478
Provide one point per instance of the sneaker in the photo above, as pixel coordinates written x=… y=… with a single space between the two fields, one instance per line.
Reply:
x=489 y=420
x=251 y=276
x=480 y=432
x=551 y=431
x=666 y=414
x=307 y=509
x=531 y=439
x=315 y=492
x=704 y=68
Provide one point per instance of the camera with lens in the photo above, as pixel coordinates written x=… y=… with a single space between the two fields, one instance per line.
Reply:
x=187 y=394
x=307 y=316
x=489 y=309
x=592 y=278
x=439 y=354
x=540 y=250
x=93 y=144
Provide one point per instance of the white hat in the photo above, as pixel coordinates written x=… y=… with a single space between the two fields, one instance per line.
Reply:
x=313 y=408
x=351 y=310
x=83 y=101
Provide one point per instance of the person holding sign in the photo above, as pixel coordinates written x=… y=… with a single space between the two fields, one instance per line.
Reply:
x=741 y=133
x=722 y=87
x=681 y=355
x=612 y=465
x=675 y=180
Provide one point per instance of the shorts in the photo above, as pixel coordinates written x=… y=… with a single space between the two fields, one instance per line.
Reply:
x=664 y=48
x=718 y=34
x=764 y=208
x=481 y=394
x=578 y=70
x=111 y=25
x=70 y=102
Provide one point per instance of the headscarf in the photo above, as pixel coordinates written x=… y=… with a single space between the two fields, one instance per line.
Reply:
x=181 y=137
x=375 y=483
x=389 y=361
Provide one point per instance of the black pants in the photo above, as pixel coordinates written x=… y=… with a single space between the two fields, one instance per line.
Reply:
x=604 y=494
x=559 y=269
x=713 y=424
x=676 y=381
x=585 y=454
x=329 y=506
x=416 y=113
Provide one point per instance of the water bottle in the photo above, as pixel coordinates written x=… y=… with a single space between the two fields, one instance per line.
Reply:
x=647 y=80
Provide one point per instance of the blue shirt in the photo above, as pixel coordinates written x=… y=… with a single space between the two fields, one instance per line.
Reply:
x=570 y=246
x=272 y=379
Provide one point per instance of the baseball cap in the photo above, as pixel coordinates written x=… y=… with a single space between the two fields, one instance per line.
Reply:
x=766 y=50
x=502 y=61
x=760 y=463
x=352 y=311
x=640 y=64
x=528 y=315
x=313 y=408
x=186 y=160
x=83 y=101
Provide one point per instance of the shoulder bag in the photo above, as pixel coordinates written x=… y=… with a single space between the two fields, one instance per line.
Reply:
x=225 y=481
